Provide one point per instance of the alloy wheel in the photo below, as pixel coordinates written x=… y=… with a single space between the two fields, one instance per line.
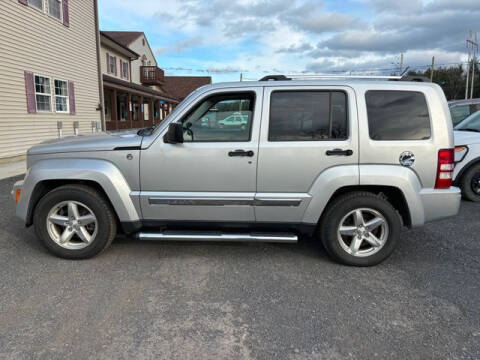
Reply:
x=363 y=232
x=72 y=225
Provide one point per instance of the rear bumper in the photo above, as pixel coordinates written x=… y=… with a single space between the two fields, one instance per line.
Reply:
x=440 y=203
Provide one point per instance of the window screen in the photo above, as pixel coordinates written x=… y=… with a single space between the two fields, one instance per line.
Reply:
x=308 y=116
x=397 y=115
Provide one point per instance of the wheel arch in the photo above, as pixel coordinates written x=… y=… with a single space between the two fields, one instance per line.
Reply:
x=391 y=194
x=464 y=169
x=102 y=175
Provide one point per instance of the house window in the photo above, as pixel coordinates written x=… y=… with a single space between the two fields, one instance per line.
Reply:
x=112 y=63
x=61 y=96
x=124 y=69
x=55 y=8
x=38 y=4
x=42 y=93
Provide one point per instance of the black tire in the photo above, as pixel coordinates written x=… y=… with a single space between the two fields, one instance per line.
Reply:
x=343 y=205
x=106 y=221
x=470 y=183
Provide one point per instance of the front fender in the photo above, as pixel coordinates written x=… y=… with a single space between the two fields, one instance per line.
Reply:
x=102 y=172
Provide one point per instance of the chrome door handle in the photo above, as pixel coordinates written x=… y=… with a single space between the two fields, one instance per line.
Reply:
x=248 y=153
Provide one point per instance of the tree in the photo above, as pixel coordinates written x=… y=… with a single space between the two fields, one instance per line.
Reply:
x=452 y=80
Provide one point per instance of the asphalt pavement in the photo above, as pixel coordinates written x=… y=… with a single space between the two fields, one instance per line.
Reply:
x=154 y=300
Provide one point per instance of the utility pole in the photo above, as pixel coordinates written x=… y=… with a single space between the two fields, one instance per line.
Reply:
x=474 y=61
x=241 y=76
x=401 y=63
x=472 y=52
x=433 y=68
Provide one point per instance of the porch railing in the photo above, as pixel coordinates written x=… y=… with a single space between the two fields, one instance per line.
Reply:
x=151 y=75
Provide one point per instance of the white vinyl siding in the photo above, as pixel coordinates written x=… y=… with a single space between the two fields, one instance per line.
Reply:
x=43 y=95
x=34 y=42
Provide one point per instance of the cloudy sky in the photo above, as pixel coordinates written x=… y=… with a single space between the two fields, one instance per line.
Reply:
x=224 y=38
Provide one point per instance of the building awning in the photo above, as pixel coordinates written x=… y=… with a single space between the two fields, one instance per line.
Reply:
x=136 y=89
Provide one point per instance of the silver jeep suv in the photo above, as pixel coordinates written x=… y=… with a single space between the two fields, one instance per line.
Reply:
x=348 y=162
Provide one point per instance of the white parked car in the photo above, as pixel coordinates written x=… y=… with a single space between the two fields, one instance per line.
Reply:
x=467 y=157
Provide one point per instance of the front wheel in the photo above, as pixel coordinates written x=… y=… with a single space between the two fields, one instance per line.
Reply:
x=75 y=222
x=360 y=229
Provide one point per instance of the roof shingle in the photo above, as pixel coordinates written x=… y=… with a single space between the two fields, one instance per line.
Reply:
x=180 y=86
x=124 y=37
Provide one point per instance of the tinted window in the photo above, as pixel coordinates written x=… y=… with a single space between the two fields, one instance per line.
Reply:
x=220 y=118
x=397 y=115
x=307 y=116
x=459 y=113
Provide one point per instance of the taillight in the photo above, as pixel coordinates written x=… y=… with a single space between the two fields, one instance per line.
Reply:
x=445 y=169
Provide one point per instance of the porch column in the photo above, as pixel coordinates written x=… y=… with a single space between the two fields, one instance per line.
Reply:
x=113 y=106
x=151 y=113
x=129 y=112
x=141 y=117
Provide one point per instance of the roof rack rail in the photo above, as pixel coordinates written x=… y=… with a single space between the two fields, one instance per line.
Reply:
x=274 y=78
x=332 y=76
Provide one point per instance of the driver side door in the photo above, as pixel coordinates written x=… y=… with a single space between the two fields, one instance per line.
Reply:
x=211 y=176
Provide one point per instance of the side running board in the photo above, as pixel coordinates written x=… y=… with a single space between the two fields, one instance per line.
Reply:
x=172 y=235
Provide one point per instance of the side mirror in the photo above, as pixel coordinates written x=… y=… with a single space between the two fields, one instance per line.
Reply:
x=174 y=134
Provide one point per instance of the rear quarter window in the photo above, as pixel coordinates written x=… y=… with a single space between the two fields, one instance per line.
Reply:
x=397 y=115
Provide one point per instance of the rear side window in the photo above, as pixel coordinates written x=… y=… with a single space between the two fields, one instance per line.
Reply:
x=397 y=115
x=459 y=113
x=308 y=116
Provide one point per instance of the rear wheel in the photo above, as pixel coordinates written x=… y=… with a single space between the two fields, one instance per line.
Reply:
x=75 y=222
x=470 y=184
x=360 y=229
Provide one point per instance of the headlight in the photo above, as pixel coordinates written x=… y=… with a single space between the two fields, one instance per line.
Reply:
x=460 y=153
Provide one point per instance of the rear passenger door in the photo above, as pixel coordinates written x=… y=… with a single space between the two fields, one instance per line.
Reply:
x=396 y=129
x=305 y=130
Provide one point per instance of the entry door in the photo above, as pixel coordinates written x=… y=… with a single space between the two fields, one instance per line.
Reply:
x=212 y=175
x=305 y=131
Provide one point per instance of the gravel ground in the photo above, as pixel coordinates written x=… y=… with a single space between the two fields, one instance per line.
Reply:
x=241 y=301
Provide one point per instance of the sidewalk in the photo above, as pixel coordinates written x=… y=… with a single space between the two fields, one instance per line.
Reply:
x=12 y=169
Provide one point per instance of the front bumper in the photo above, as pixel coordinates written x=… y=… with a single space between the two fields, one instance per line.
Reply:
x=440 y=203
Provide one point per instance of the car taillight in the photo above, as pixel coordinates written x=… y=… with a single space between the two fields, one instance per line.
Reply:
x=445 y=169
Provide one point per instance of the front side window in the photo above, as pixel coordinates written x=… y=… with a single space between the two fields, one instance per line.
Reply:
x=55 y=8
x=42 y=93
x=220 y=118
x=61 y=96
x=36 y=4
x=397 y=115
x=308 y=116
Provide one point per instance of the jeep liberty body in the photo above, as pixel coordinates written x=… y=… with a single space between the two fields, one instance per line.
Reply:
x=346 y=161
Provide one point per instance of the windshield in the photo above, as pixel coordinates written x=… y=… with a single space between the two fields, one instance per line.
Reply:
x=471 y=123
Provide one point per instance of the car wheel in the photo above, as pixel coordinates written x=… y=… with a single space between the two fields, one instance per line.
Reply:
x=360 y=229
x=470 y=184
x=75 y=222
